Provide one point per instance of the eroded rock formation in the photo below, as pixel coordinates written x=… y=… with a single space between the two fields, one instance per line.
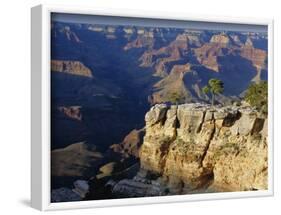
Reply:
x=71 y=67
x=131 y=144
x=198 y=144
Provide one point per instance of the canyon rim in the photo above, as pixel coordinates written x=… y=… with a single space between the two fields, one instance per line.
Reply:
x=140 y=109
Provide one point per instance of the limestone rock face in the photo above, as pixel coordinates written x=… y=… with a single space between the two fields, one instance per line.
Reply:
x=198 y=144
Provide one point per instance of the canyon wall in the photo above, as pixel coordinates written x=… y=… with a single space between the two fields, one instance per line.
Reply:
x=198 y=145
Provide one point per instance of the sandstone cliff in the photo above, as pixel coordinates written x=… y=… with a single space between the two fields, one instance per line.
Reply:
x=199 y=145
x=188 y=148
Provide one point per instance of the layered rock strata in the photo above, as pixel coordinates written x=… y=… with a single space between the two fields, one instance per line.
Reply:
x=198 y=144
x=71 y=67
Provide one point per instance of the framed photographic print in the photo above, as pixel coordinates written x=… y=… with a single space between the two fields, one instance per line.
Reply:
x=138 y=107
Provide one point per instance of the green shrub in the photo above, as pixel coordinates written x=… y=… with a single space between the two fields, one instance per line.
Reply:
x=215 y=86
x=257 y=96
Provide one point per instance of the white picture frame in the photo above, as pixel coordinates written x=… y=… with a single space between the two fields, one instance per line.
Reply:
x=40 y=65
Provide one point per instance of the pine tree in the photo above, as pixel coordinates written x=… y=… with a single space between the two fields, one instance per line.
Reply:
x=215 y=86
x=256 y=95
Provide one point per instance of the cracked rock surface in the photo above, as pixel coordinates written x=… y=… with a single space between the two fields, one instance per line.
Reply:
x=199 y=145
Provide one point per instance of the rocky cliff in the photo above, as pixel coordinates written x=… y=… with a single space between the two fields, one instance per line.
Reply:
x=198 y=145
x=188 y=148
x=71 y=67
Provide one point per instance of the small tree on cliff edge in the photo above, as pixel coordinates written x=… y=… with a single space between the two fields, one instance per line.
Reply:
x=215 y=86
x=257 y=94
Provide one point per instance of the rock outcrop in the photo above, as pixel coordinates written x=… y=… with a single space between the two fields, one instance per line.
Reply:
x=131 y=144
x=71 y=67
x=198 y=144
